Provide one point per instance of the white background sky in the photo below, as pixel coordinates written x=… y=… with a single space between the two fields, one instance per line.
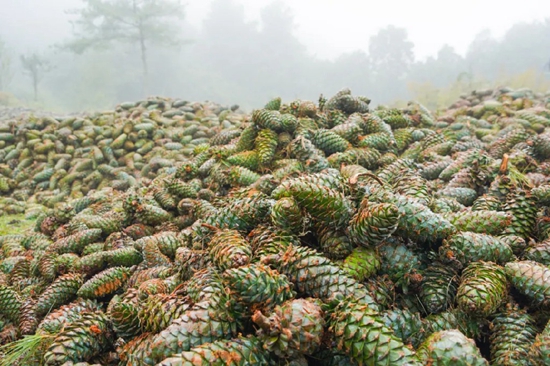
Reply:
x=327 y=27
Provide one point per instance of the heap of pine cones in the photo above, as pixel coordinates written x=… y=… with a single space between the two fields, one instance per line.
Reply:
x=47 y=160
x=323 y=233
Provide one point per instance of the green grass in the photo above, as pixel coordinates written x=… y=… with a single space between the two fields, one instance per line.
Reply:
x=14 y=224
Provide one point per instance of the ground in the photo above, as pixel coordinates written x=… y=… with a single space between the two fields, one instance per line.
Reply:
x=14 y=224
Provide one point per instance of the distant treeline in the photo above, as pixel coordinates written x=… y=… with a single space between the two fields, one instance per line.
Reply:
x=230 y=60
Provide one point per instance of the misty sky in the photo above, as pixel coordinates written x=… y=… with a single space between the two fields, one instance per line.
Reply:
x=327 y=27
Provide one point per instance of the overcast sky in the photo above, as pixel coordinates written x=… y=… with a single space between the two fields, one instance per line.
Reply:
x=328 y=27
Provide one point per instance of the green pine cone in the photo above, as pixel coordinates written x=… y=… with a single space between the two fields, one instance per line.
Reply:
x=483 y=289
x=247 y=138
x=266 y=240
x=444 y=205
x=467 y=247
x=480 y=221
x=361 y=264
x=158 y=311
x=163 y=197
x=228 y=249
x=240 y=176
x=137 y=352
x=330 y=178
x=268 y=119
x=80 y=340
x=109 y=223
x=47 y=266
x=364 y=156
x=359 y=331
x=104 y=283
x=19 y=274
x=180 y=189
x=432 y=170
x=195 y=327
x=246 y=159
x=400 y=263
x=123 y=314
x=336 y=117
x=541 y=145
x=487 y=203
x=418 y=223
x=60 y=292
x=10 y=303
x=154 y=286
x=413 y=186
x=517 y=243
x=125 y=257
x=258 y=285
x=403 y=138
x=76 y=242
x=512 y=334
x=289 y=122
x=541 y=347
x=381 y=141
x=539 y=253
x=455 y=319
x=167 y=242
x=292 y=329
x=316 y=276
x=286 y=168
x=190 y=261
x=373 y=223
x=325 y=205
x=523 y=208
x=286 y=214
x=531 y=279
x=406 y=324
x=382 y=289
x=394 y=117
x=329 y=142
x=333 y=242
x=450 y=347
x=207 y=285
x=152 y=256
x=266 y=146
x=465 y=196
x=57 y=319
x=235 y=352
x=152 y=215
x=93 y=248
x=242 y=214
x=274 y=104
x=439 y=287
x=92 y=263
x=542 y=193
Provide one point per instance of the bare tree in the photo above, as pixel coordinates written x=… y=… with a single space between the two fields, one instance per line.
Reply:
x=103 y=22
x=35 y=66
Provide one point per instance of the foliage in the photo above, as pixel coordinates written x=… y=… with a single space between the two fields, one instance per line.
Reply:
x=131 y=53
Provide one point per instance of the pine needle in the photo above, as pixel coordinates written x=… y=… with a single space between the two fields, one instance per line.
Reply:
x=518 y=178
x=23 y=351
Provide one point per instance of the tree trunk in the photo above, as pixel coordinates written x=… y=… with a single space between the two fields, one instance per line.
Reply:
x=143 y=62
x=143 y=49
x=35 y=86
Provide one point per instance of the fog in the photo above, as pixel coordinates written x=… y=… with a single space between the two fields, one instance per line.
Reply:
x=54 y=54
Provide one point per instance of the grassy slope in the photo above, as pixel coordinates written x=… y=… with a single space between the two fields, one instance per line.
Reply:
x=14 y=224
